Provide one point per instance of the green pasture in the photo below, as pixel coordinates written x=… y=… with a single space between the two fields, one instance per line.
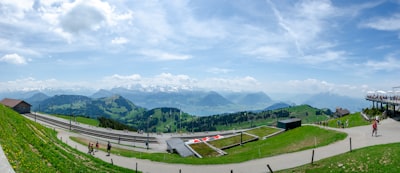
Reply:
x=80 y=119
x=378 y=159
x=298 y=139
x=30 y=147
x=354 y=120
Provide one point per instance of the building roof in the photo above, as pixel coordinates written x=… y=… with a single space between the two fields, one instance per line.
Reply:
x=12 y=102
x=342 y=112
x=179 y=146
x=290 y=120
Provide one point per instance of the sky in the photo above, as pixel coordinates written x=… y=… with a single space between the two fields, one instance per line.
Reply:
x=278 y=47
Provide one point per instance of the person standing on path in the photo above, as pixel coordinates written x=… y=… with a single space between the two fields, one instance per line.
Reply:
x=108 y=148
x=89 y=148
x=97 y=146
x=375 y=128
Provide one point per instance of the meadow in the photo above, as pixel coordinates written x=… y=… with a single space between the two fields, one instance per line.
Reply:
x=298 y=139
x=378 y=159
x=30 y=147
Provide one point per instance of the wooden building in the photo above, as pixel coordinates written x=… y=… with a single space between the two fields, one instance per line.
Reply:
x=19 y=106
x=340 y=112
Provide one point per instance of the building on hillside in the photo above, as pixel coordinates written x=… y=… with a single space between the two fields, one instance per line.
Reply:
x=340 y=112
x=289 y=123
x=19 y=106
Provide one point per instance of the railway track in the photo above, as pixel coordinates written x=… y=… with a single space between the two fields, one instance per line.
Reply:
x=94 y=132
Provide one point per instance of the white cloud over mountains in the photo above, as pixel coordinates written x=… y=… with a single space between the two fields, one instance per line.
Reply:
x=258 y=45
x=167 y=82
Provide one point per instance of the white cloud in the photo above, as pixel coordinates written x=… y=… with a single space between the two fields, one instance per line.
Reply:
x=119 y=40
x=305 y=22
x=164 y=56
x=391 y=23
x=16 y=9
x=216 y=70
x=315 y=86
x=269 y=53
x=31 y=84
x=82 y=17
x=211 y=29
x=388 y=64
x=69 y=18
x=246 y=83
x=326 y=57
x=13 y=59
x=163 y=82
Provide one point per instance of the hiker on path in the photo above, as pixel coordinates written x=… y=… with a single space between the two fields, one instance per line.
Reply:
x=375 y=128
x=97 y=146
x=89 y=148
x=108 y=148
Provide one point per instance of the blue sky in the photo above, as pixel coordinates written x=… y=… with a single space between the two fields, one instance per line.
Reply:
x=291 y=47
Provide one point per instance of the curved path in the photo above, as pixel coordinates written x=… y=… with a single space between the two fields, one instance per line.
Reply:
x=360 y=136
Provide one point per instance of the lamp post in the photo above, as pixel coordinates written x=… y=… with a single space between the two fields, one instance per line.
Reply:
x=147 y=141
x=70 y=117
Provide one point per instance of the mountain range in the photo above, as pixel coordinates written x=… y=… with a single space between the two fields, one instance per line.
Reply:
x=206 y=102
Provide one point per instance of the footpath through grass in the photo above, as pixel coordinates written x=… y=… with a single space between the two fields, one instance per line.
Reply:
x=298 y=139
x=377 y=159
x=30 y=147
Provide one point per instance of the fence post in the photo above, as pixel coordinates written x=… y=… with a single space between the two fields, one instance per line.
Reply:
x=312 y=157
x=350 y=146
x=112 y=163
x=136 y=167
x=269 y=168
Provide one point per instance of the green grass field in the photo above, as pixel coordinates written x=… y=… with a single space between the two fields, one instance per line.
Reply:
x=298 y=139
x=354 y=120
x=263 y=131
x=204 y=150
x=30 y=147
x=377 y=159
x=82 y=120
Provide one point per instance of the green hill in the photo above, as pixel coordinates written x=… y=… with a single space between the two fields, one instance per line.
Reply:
x=166 y=119
x=30 y=147
x=114 y=107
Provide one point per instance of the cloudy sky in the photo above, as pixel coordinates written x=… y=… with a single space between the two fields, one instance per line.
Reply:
x=344 y=47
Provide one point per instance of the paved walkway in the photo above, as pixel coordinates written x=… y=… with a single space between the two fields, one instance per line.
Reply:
x=361 y=137
x=4 y=164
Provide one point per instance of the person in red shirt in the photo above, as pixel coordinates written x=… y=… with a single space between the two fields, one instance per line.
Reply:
x=375 y=128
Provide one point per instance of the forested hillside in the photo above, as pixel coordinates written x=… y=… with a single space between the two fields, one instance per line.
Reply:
x=115 y=111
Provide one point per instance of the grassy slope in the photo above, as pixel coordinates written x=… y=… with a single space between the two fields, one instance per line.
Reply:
x=83 y=120
x=354 y=120
x=380 y=158
x=304 y=112
x=30 y=147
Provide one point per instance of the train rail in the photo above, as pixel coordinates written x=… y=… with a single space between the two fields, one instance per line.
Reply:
x=93 y=132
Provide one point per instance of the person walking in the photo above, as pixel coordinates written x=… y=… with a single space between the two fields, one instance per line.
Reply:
x=97 y=146
x=375 y=128
x=108 y=148
x=89 y=148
